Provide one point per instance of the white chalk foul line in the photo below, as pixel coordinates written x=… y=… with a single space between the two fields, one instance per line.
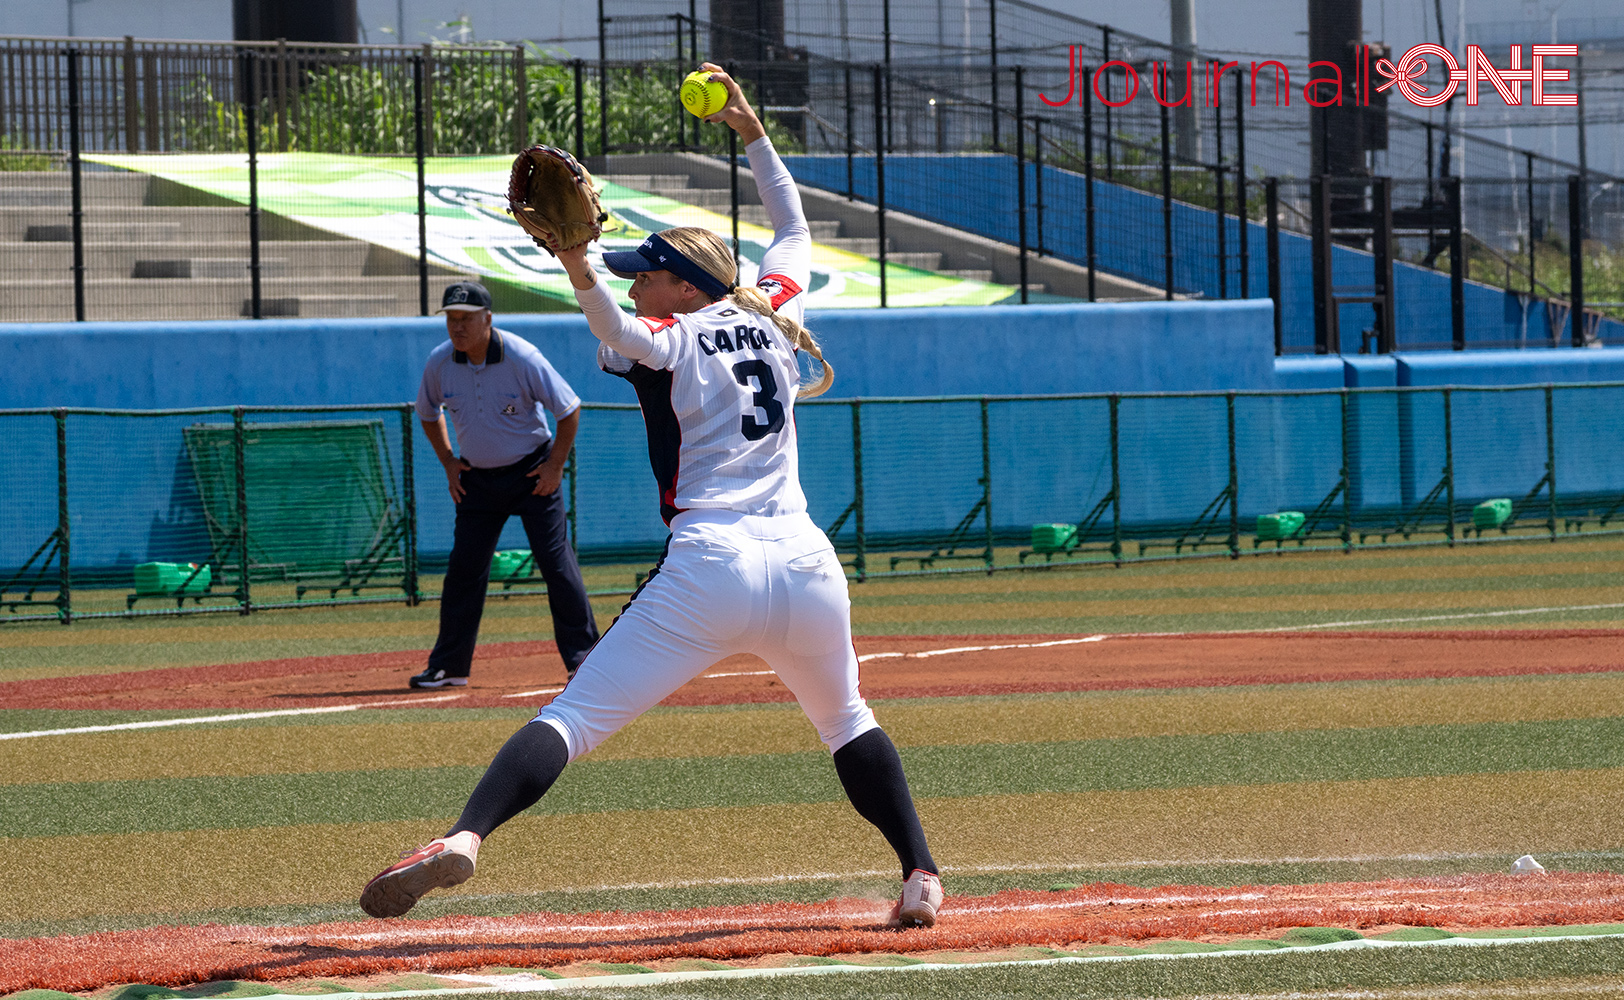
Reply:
x=237 y=717
x=1433 y=618
x=925 y=653
x=526 y=694
x=523 y=983
x=1056 y=866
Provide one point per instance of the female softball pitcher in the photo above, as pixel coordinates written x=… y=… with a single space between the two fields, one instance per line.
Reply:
x=745 y=569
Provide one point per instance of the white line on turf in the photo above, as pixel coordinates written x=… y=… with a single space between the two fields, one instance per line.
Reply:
x=925 y=653
x=524 y=983
x=526 y=694
x=1056 y=867
x=1436 y=618
x=237 y=717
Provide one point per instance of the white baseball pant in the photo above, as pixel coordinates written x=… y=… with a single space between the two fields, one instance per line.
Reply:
x=730 y=583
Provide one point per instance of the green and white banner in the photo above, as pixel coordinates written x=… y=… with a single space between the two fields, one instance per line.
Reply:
x=468 y=228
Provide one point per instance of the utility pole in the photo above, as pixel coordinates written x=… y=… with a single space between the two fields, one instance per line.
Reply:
x=1186 y=122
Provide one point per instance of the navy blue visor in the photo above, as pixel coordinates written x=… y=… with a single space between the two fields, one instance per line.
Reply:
x=657 y=255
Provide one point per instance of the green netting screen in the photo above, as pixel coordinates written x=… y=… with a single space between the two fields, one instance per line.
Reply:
x=320 y=498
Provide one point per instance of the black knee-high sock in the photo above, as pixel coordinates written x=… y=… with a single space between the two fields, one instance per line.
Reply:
x=526 y=766
x=871 y=772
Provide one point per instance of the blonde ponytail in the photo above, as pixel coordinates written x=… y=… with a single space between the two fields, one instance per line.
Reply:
x=753 y=299
x=706 y=249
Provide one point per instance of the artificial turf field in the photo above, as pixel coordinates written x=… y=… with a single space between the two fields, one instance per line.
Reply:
x=276 y=821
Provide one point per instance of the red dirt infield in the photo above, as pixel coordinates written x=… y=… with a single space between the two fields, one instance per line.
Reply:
x=505 y=672
x=1101 y=914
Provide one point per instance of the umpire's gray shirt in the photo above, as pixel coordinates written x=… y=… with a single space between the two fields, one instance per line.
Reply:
x=495 y=407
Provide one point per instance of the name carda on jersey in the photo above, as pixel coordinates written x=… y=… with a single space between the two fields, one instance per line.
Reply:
x=742 y=338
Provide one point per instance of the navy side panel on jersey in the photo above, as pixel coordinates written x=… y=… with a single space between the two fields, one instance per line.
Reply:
x=664 y=431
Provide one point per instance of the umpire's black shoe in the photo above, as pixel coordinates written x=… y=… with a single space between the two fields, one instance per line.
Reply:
x=437 y=677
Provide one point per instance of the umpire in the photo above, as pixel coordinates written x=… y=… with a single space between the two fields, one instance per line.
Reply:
x=495 y=385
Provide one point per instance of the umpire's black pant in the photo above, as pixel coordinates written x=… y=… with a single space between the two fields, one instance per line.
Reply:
x=490 y=497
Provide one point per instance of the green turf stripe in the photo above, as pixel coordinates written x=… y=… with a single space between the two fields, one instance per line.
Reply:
x=768 y=779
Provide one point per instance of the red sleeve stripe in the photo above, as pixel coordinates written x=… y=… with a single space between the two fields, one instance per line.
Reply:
x=779 y=288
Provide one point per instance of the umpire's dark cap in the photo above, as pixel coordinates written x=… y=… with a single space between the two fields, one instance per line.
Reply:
x=465 y=296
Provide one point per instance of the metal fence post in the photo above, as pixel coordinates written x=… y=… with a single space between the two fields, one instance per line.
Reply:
x=281 y=95
x=78 y=188
x=1037 y=178
x=1222 y=252
x=251 y=123
x=1576 y=258
x=986 y=482
x=1530 y=187
x=238 y=434
x=1088 y=186
x=1271 y=198
x=851 y=139
x=1347 y=484
x=676 y=97
x=428 y=99
x=603 y=84
x=580 y=109
x=1449 y=472
x=992 y=34
x=422 y=206
x=132 y=132
x=1020 y=172
x=408 y=497
x=1167 y=210
x=733 y=184
x=64 y=566
x=521 y=101
x=1105 y=59
x=1234 y=484
x=860 y=562
x=1457 y=262
x=1241 y=212
x=879 y=170
x=1116 y=485
x=1550 y=459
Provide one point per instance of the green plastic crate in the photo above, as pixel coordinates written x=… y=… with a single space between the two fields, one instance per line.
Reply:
x=1052 y=537
x=1275 y=527
x=505 y=565
x=156 y=578
x=1491 y=513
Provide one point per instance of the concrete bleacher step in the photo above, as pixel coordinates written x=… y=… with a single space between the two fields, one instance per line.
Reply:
x=823 y=230
x=207 y=267
x=969 y=273
x=652 y=183
x=299 y=258
x=125 y=223
x=54 y=189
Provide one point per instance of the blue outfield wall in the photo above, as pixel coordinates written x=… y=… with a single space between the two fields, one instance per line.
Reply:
x=131 y=500
x=975 y=192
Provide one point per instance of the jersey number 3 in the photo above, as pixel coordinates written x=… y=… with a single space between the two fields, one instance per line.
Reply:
x=764 y=399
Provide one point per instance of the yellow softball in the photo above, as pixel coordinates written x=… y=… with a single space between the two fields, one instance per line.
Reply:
x=701 y=95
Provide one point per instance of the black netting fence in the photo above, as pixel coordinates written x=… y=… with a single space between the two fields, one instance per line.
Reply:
x=188 y=180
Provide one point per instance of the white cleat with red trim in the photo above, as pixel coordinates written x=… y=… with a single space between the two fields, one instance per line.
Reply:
x=439 y=864
x=921 y=898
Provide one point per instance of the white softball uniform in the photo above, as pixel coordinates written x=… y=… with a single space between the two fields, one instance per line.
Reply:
x=745 y=570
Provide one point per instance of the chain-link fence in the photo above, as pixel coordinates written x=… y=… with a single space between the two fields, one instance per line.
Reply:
x=186 y=511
